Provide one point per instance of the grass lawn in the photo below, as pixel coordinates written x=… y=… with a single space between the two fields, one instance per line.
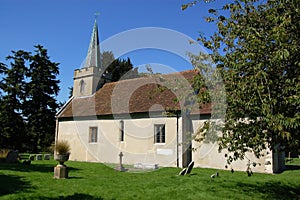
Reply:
x=293 y=161
x=97 y=181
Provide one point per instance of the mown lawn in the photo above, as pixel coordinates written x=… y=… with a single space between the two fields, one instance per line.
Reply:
x=97 y=181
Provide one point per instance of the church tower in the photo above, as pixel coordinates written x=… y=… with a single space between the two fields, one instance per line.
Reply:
x=86 y=79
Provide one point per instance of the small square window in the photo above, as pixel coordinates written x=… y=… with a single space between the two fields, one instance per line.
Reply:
x=159 y=133
x=93 y=134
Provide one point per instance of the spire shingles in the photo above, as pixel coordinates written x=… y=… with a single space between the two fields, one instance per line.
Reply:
x=93 y=56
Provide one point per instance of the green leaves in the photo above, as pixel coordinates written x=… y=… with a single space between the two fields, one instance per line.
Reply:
x=185 y=6
x=28 y=106
x=256 y=49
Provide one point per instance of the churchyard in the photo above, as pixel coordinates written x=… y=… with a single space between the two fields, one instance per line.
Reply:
x=99 y=181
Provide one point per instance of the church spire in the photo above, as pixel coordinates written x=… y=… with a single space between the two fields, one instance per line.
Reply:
x=93 y=56
x=86 y=80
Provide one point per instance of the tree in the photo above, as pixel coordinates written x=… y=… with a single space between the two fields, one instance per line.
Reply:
x=41 y=105
x=28 y=106
x=11 y=115
x=256 y=50
x=117 y=68
x=107 y=57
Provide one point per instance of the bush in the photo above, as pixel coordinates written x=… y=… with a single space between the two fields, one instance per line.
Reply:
x=3 y=154
x=62 y=147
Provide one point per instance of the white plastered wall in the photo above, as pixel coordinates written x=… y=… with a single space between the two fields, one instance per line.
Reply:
x=138 y=144
x=208 y=156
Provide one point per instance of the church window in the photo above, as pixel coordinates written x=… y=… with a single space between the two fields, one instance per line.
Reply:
x=82 y=86
x=159 y=133
x=122 y=131
x=93 y=134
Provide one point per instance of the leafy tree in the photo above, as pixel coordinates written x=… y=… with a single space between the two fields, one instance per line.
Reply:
x=11 y=115
x=41 y=104
x=256 y=50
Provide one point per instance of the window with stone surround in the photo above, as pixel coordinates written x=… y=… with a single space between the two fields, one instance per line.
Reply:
x=93 y=134
x=159 y=133
x=82 y=86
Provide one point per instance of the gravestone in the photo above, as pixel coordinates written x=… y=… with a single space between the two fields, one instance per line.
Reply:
x=182 y=172
x=150 y=166
x=189 y=168
x=138 y=165
x=47 y=157
x=31 y=157
x=27 y=162
x=120 y=167
x=39 y=157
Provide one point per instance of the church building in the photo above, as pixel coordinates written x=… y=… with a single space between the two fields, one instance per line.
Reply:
x=141 y=118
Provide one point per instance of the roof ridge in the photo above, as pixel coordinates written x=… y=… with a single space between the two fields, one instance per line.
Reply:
x=144 y=77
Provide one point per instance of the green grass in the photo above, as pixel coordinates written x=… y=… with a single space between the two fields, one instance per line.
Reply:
x=293 y=161
x=97 y=181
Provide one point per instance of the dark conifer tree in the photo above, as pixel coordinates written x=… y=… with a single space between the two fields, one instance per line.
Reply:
x=11 y=116
x=121 y=69
x=41 y=104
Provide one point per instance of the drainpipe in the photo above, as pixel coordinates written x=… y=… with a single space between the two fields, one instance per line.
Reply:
x=56 y=130
x=177 y=132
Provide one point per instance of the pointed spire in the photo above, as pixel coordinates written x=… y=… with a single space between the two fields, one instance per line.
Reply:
x=93 y=56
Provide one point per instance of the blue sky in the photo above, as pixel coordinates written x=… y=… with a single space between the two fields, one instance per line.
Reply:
x=64 y=28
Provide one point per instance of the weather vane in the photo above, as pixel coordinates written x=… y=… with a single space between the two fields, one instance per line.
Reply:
x=97 y=14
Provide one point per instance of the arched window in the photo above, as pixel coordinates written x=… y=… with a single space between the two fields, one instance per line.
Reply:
x=82 y=86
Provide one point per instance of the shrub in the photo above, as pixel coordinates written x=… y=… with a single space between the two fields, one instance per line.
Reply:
x=62 y=147
x=3 y=154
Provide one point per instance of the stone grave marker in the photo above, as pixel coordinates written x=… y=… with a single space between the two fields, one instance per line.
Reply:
x=31 y=157
x=120 y=167
x=182 y=172
x=39 y=157
x=189 y=168
x=47 y=157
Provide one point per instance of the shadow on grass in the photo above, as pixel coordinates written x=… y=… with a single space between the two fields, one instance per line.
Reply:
x=292 y=167
x=272 y=190
x=10 y=184
x=20 y=167
x=76 y=196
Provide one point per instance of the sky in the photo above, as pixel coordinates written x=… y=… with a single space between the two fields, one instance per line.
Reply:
x=148 y=32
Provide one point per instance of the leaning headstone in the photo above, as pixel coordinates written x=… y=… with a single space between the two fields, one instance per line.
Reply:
x=189 y=168
x=47 y=157
x=39 y=157
x=27 y=162
x=182 y=172
x=12 y=157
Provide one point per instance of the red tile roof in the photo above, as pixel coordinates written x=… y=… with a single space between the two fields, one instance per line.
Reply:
x=139 y=95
